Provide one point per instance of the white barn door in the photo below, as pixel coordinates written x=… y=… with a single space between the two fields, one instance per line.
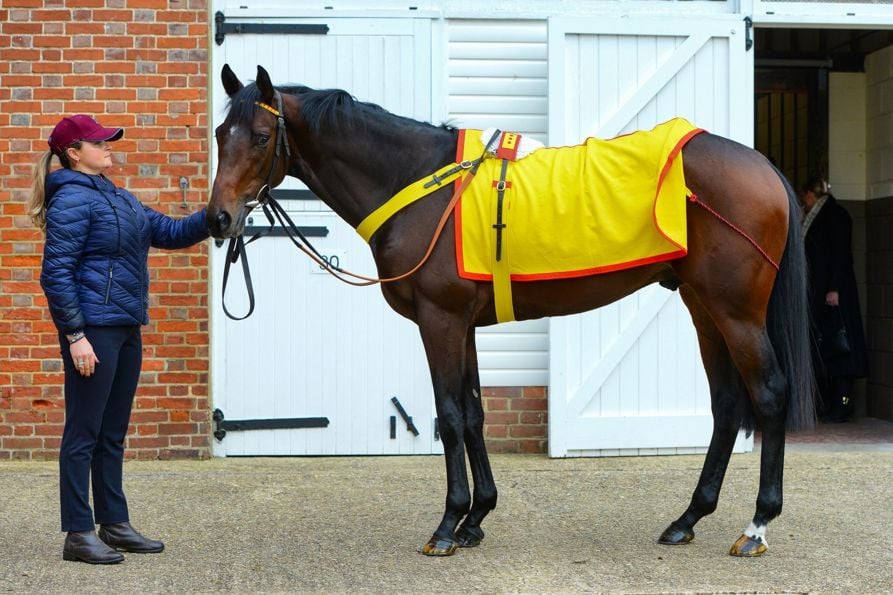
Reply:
x=627 y=379
x=316 y=350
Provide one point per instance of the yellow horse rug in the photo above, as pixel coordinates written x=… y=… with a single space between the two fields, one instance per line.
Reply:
x=597 y=207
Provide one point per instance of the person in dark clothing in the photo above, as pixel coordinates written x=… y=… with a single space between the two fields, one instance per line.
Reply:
x=96 y=279
x=833 y=299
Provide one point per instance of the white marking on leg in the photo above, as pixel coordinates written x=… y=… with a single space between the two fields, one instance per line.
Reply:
x=757 y=533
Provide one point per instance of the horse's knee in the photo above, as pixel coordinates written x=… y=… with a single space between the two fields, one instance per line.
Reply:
x=450 y=437
x=474 y=423
x=451 y=428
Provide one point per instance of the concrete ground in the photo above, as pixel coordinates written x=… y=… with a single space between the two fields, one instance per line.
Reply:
x=304 y=525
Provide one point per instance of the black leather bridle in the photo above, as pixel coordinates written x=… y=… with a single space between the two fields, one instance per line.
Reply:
x=272 y=210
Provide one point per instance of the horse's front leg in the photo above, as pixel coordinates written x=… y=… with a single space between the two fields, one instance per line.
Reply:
x=444 y=338
x=470 y=533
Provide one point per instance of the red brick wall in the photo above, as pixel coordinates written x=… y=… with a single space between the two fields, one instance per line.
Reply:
x=141 y=65
x=515 y=419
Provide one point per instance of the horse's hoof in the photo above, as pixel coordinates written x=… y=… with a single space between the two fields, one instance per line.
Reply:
x=676 y=535
x=469 y=537
x=438 y=546
x=748 y=547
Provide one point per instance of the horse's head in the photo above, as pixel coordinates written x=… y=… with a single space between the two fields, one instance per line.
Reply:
x=252 y=152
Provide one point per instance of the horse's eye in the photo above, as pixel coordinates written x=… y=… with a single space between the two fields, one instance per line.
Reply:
x=263 y=139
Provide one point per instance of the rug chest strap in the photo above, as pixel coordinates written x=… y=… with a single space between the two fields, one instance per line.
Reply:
x=502 y=281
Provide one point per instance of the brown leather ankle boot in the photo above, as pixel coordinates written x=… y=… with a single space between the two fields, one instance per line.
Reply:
x=123 y=537
x=85 y=546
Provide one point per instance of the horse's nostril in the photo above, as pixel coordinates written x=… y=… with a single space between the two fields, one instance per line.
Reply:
x=223 y=220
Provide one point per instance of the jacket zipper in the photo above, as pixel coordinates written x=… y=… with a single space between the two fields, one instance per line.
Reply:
x=108 y=287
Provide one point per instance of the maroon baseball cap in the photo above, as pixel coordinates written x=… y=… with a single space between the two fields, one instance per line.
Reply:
x=72 y=129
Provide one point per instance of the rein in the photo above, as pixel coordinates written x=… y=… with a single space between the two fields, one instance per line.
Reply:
x=273 y=211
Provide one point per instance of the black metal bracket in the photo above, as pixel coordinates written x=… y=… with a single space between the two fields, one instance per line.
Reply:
x=748 y=40
x=309 y=231
x=221 y=28
x=406 y=417
x=221 y=425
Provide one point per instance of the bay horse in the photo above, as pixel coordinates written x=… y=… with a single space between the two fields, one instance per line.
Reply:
x=749 y=312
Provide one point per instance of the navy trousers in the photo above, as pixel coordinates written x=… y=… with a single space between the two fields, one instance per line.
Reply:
x=97 y=413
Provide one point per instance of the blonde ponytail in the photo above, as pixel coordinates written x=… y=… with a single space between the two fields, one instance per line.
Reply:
x=37 y=207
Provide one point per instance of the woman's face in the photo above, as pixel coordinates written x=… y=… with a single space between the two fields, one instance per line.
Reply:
x=807 y=200
x=93 y=157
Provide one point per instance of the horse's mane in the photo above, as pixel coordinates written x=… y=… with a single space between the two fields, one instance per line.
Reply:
x=320 y=108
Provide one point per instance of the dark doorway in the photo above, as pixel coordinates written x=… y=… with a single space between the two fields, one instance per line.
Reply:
x=791 y=68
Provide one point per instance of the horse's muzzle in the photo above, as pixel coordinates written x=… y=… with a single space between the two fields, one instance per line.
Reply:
x=222 y=225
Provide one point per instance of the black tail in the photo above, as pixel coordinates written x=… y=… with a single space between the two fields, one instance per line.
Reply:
x=787 y=322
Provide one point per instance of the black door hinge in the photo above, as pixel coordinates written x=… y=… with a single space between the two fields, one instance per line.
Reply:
x=221 y=425
x=221 y=28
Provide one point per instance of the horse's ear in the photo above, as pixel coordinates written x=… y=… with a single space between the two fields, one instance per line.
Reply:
x=231 y=83
x=265 y=85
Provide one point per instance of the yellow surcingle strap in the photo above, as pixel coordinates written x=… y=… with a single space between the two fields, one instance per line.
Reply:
x=407 y=196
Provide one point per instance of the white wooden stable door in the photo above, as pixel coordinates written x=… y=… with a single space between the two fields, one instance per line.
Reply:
x=627 y=378
x=314 y=347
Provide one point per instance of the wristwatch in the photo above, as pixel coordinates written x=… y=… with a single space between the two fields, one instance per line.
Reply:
x=75 y=337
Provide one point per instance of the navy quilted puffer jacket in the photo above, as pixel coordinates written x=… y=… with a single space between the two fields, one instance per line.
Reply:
x=95 y=259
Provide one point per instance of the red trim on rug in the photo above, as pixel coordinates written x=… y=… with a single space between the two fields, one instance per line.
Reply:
x=582 y=272
x=660 y=181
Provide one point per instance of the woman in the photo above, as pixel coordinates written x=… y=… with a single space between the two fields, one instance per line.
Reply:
x=96 y=279
x=833 y=297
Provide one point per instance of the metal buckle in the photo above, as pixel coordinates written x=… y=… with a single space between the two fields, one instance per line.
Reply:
x=500 y=185
x=258 y=201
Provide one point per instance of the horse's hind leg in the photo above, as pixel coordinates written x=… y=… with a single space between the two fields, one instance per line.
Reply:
x=752 y=352
x=755 y=358
x=727 y=394
x=469 y=533
x=444 y=337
